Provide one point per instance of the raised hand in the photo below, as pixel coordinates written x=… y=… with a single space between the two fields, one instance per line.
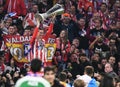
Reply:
x=53 y=17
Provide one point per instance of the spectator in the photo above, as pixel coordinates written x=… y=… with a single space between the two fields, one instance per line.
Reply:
x=103 y=61
x=2 y=64
x=98 y=30
x=2 y=13
x=12 y=30
x=98 y=46
x=118 y=68
x=79 y=83
x=11 y=67
x=95 y=61
x=49 y=75
x=66 y=24
x=27 y=31
x=63 y=79
x=29 y=19
x=112 y=17
x=109 y=71
x=76 y=42
x=112 y=61
x=74 y=62
x=84 y=61
x=88 y=74
x=82 y=34
x=107 y=81
x=63 y=46
x=103 y=14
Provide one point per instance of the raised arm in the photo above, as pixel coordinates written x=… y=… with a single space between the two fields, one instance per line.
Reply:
x=35 y=33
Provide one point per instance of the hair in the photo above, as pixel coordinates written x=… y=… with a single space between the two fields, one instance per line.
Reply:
x=66 y=36
x=104 y=4
x=36 y=65
x=110 y=65
x=49 y=68
x=79 y=83
x=111 y=56
x=83 y=54
x=28 y=28
x=89 y=70
x=101 y=22
x=107 y=81
x=2 y=53
x=82 y=18
x=62 y=76
x=1 y=6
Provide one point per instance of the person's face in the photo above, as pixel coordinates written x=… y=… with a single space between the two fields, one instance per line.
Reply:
x=11 y=30
x=112 y=14
x=9 y=20
x=76 y=42
x=90 y=9
x=95 y=57
x=118 y=84
x=62 y=34
x=112 y=60
x=7 y=24
x=108 y=68
x=97 y=23
x=103 y=7
x=1 y=10
x=81 y=22
x=112 y=42
x=27 y=32
x=77 y=51
x=72 y=9
x=103 y=62
x=118 y=24
x=73 y=58
x=99 y=77
x=117 y=3
x=72 y=48
x=83 y=58
x=49 y=76
x=35 y=8
x=41 y=33
x=66 y=20
x=16 y=29
x=96 y=15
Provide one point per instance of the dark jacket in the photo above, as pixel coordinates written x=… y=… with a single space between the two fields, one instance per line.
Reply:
x=57 y=84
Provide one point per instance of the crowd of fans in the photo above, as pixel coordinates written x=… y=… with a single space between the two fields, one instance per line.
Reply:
x=87 y=34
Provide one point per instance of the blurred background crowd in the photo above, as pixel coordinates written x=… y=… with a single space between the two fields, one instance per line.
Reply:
x=87 y=34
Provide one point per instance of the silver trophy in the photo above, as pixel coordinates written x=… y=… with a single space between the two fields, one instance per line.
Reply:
x=56 y=9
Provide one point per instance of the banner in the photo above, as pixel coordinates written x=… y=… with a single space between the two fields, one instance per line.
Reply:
x=22 y=52
x=16 y=46
x=50 y=51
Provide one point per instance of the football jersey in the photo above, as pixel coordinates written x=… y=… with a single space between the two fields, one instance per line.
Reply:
x=32 y=81
x=44 y=49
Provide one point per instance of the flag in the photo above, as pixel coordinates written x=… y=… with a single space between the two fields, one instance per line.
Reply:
x=16 y=44
x=17 y=51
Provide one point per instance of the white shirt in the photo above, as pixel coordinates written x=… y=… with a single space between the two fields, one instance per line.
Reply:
x=85 y=78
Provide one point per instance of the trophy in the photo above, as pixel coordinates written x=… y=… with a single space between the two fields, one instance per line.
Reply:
x=56 y=9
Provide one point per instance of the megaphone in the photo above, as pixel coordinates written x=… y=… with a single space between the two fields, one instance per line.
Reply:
x=56 y=9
